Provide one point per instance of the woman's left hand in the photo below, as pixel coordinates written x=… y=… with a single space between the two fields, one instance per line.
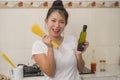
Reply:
x=85 y=46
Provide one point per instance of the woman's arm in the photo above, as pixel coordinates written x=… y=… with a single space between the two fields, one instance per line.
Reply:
x=80 y=60
x=46 y=62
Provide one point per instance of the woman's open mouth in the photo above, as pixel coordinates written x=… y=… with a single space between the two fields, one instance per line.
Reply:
x=56 y=31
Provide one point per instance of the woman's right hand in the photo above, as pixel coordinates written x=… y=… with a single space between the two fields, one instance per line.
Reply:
x=46 y=39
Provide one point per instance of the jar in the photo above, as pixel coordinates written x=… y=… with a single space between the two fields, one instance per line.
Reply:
x=102 y=65
x=93 y=67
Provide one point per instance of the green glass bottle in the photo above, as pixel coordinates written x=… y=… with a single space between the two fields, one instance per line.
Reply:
x=82 y=38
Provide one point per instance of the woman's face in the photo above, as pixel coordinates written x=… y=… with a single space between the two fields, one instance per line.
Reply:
x=56 y=24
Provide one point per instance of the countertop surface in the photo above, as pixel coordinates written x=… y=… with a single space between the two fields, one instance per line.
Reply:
x=111 y=70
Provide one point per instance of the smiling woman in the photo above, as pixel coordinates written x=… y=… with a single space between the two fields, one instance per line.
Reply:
x=65 y=62
x=103 y=31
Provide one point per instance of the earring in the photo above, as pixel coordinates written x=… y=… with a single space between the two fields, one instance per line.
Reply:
x=62 y=34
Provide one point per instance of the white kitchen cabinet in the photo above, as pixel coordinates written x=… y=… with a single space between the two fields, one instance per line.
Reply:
x=100 y=78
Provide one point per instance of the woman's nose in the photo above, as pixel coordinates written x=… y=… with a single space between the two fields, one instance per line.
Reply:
x=57 y=24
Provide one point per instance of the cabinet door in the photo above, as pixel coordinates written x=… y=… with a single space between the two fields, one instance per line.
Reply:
x=100 y=78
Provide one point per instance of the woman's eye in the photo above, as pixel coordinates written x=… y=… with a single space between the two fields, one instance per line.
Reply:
x=53 y=20
x=62 y=22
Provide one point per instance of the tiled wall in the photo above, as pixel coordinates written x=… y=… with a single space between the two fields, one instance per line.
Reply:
x=16 y=38
x=67 y=4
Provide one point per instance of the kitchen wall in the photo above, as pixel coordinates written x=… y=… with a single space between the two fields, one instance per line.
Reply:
x=16 y=38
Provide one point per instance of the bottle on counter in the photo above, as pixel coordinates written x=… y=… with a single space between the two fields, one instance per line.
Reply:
x=102 y=65
x=93 y=62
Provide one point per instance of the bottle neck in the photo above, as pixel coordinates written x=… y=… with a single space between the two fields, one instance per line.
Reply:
x=93 y=58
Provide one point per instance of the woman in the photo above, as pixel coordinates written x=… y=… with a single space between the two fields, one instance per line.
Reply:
x=63 y=63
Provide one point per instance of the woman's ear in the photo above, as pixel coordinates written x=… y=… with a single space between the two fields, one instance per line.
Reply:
x=46 y=21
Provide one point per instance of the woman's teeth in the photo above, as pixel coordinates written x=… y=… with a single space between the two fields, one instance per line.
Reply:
x=56 y=30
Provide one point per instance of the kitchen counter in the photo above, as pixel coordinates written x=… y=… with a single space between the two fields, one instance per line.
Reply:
x=111 y=71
